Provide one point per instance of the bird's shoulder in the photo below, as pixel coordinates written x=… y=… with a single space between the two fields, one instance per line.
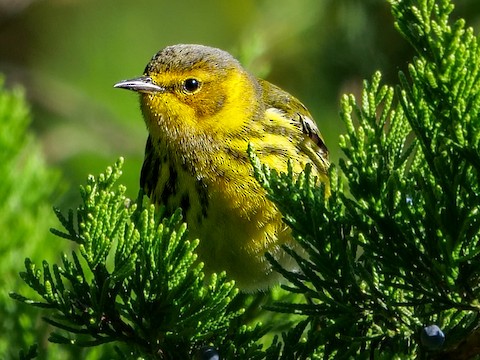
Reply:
x=276 y=99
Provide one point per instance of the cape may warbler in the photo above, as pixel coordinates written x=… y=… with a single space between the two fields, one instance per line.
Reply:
x=202 y=109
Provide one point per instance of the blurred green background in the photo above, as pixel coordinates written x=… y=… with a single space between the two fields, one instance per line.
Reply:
x=67 y=54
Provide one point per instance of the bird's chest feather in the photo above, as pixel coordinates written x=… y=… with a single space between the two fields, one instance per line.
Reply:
x=219 y=200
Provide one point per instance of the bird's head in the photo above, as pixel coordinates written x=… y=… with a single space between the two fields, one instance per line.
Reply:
x=195 y=91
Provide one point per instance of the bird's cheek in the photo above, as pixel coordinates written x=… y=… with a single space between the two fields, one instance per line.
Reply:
x=152 y=113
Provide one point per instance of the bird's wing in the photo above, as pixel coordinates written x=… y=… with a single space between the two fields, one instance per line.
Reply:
x=313 y=144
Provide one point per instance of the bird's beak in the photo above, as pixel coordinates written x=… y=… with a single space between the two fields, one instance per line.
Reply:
x=143 y=84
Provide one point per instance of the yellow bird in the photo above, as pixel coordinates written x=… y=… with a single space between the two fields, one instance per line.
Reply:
x=202 y=110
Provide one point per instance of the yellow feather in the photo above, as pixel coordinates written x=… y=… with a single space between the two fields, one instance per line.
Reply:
x=202 y=110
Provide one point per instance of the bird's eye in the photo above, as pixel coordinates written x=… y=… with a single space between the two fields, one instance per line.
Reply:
x=191 y=85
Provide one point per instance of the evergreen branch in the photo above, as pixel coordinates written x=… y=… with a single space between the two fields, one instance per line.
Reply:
x=402 y=251
x=378 y=265
x=30 y=354
x=68 y=224
x=153 y=298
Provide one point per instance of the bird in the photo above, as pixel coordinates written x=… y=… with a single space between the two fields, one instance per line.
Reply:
x=202 y=110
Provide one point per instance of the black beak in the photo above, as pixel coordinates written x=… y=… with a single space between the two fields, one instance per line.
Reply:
x=143 y=84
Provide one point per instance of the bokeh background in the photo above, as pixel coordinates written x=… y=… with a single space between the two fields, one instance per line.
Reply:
x=67 y=54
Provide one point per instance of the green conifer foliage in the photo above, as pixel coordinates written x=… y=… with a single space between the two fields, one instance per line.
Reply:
x=135 y=281
x=26 y=188
x=394 y=252
x=391 y=260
